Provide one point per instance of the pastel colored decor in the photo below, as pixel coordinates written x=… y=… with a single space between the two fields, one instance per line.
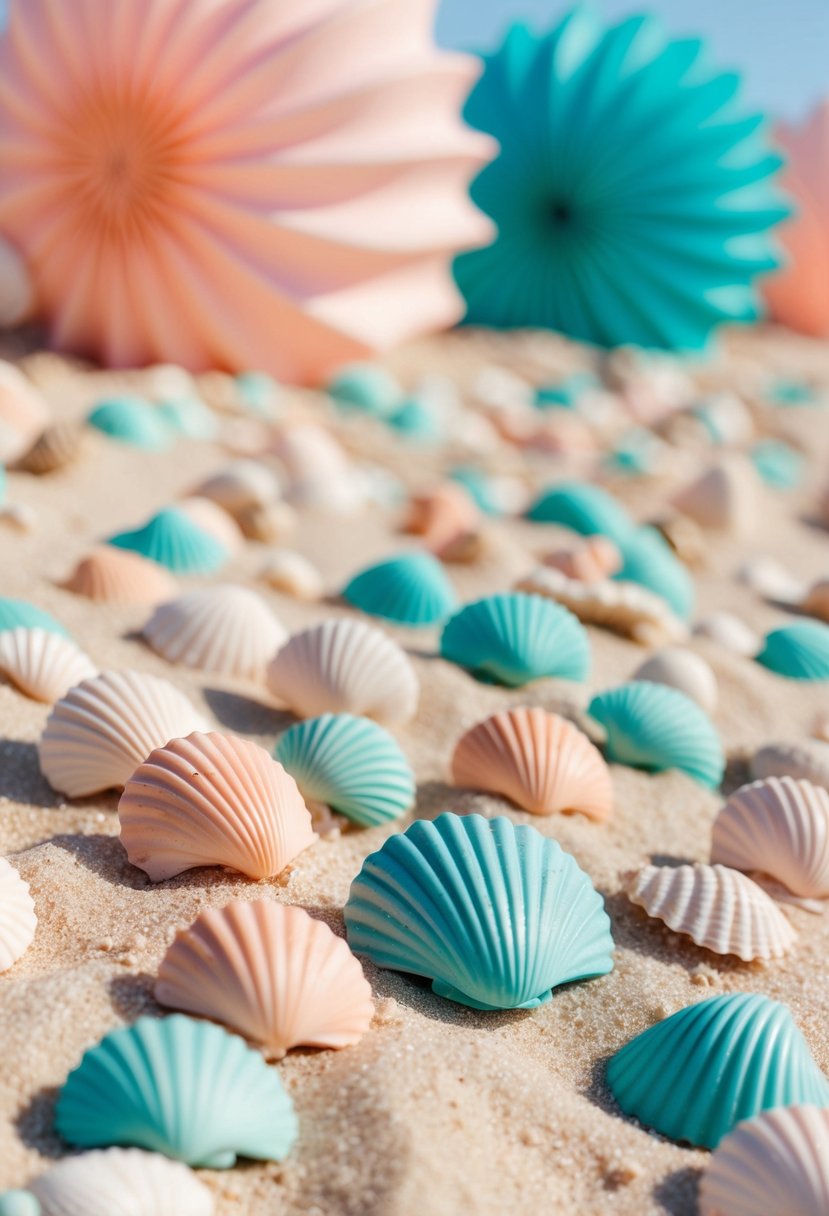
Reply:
x=746 y=1046
x=190 y=417
x=807 y=760
x=365 y=388
x=19 y=1203
x=20 y=614
x=495 y=915
x=116 y=576
x=180 y=1087
x=779 y=464
x=17 y=916
x=122 y=1182
x=442 y=516
x=16 y=291
x=566 y=392
x=131 y=420
x=272 y=973
x=240 y=487
x=479 y=486
x=57 y=446
x=321 y=171
x=648 y=560
x=724 y=497
x=292 y=574
x=584 y=508
x=418 y=420
x=594 y=559
x=221 y=628
x=173 y=540
x=41 y=663
x=214 y=520
x=350 y=764
x=798 y=652
x=258 y=392
x=682 y=669
x=23 y=412
x=654 y=727
x=651 y=174
x=410 y=589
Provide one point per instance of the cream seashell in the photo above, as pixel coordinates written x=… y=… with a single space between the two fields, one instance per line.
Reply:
x=685 y=537
x=43 y=664
x=57 y=446
x=17 y=916
x=625 y=608
x=117 y=576
x=768 y=578
x=17 y=295
x=268 y=524
x=213 y=520
x=682 y=669
x=724 y=497
x=272 y=973
x=292 y=574
x=345 y=666
x=319 y=472
x=212 y=800
x=241 y=485
x=223 y=629
x=104 y=727
x=597 y=558
x=815 y=601
x=23 y=413
x=717 y=907
x=805 y=761
x=729 y=632
x=122 y=1182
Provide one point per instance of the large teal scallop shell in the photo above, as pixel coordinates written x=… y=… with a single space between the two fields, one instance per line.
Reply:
x=351 y=764
x=495 y=915
x=799 y=651
x=648 y=560
x=17 y=614
x=582 y=507
x=173 y=540
x=181 y=1087
x=655 y=727
x=410 y=589
x=134 y=421
x=698 y=1073
x=514 y=638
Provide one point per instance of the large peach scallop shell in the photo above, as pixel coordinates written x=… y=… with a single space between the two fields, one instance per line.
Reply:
x=538 y=760
x=273 y=973
x=117 y=576
x=17 y=916
x=122 y=1182
x=224 y=629
x=212 y=800
x=41 y=663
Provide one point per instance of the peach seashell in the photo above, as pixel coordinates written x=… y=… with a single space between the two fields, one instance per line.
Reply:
x=538 y=760
x=224 y=629
x=56 y=447
x=272 y=973
x=43 y=664
x=625 y=608
x=724 y=497
x=214 y=520
x=293 y=575
x=815 y=602
x=684 y=536
x=820 y=727
x=117 y=576
x=97 y=734
x=241 y=485
x=24 y=414
x=729 y=632
x=17 y=916
x=212 y=800
x=719 y=908
x=16 y=289
x=778 y=827
x=268 y=524
x=596 y=559
x=682 y=669
x=345 y=666
x=442 y=516
x=807 y=760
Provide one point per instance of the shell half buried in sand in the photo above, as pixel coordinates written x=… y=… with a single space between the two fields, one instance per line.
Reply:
x=17 y=916
x=624 y=608
x=43 y=664
x=116 y=576
x=121 y=1182
x=221 y=629
x=682 y=669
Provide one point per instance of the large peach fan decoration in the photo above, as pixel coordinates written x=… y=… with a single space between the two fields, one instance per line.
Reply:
x=236 y=183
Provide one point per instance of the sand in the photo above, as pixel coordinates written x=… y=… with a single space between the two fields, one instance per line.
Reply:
x=439 y=1109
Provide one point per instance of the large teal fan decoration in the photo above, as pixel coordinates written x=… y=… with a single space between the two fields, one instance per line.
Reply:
x=634 y=199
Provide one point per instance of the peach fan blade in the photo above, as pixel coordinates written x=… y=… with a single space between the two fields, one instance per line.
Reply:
x=236 y=183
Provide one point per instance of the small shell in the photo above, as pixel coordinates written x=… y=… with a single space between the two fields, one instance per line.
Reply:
x=43 y=664
x=269 y=524
x=274 y=974
x=650 y=562
x=214 y=520
x=175 y=541
x=729 y=632
x=17 y=916
x=16 y=614
x=718 y=908
x=771 y=580
x=442 y=516
x=724 y=497
x=685 y=671
x=685 y=538
x=583 y=508
x=292 y=574
x=114 y=576
x=241 y=485
x=798 y=652
x=342 y=666
x=222 y=628
x=122 y=1182
x=538 y=760
x=595 y=559
x=820 y=727
x=625 y=608
x=807 y=760
x=212 y=800
x=410 y=589
x=815 y=602
x=319 y=471
x=133 y=421
x=365 y=388
x=57 y=446
x=23 y=413
x=189 y=416
x=17 y=295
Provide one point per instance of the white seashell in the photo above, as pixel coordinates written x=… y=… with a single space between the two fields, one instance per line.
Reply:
x=625 y=608
x=725 y=496
x=24 y=414
x=43 y=664
x=21 y=516
x=16 y=288
x=224 y=629
x=729 y=632
x=240 y=486
x=122 y=1182
x=805 y=761
x=718 y=908
x=771 y=580
x=17 y=916
x=345 y=666
x=319 y=472
x=684 y=670
x=292 y=574
x=214 y=520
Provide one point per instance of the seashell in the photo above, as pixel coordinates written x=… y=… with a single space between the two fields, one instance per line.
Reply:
x=778 y=463
x=746 y=1046
x=583 y=508
x=212 y=800
x=590 y=562
x=292 y=574
x=820 y=727
x=43 y=664
x=103 y=728
x=20 y=1203
x=495 y=915
x=17 y=295
x=342 y=666
x=268 y=524
x=319 y=471
x=133 y=421
x=799 y=651
x=410 y=589
x=771 y=580
x=514 y=638
x=683 y=536
x=189 y=416
x=180 y=1087
x=57 y=446
x=776 y=1164
x=725 y=496
x=17 y=916
x=116 y=576
x=20 y=614
x=23 y=413
x=168 y=381
x=175 y=541
x=654 y=727
x=480 y=486
x=538 y=760
x=122 y=1182
x=778 y=827
x=214 y=521
x=625 y=608
x=274 y=974
x=648 y=561
x=18 y=515
x=687 y=672
x=241 y=485
x=365 y=388
x=718 y=908
x=442 y=516
x=222 y=628
x=815 y=601
x=350 y=764
x=807 y=760
x=729 y=632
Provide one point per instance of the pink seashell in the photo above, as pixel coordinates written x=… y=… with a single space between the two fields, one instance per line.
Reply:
x=225 y=629
x=212 y=800
x=538 y=760
x=24 y=414
x=725 y=496
x=595 y=559
x=17 y=916
x=275 y=974
x=214 y=520
x=442 y=517
x=117 y=576
x=43 y=664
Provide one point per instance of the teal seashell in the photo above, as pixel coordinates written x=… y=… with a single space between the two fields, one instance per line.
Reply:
x=190 y=417
x=648 y=560
x=583 y=508
x=258 y=391
x=181 y=1087
x=410 y=589
x=173 y=540
x=20 y=614
x=514 y=638
x=565 y=393
x=779 y=464
x=365 y=388
x=478 y=485
x=799 y=651
x=792 y=392
x=417 y=420
x=19 y=1203
x=634 y=453
x=134 y=421
x=698 y=1073
x=351 y=764
x=655 y=727
x=495 y=915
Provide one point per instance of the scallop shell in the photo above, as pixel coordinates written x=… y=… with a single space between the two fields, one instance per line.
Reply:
x=57 y=446
x=654 y=727
x=212 y=800
x=224 y=629
x=133 y=421
x=495 y=915
x=776 y=1164
x=240 y=485
x=17 y=295
x=514 y=638
x=747 y=1048
x=583 y=508
x=768 y=578
x=650 y=562
x=269 y=524
x=718 y=908
x=342 y=666
x=19 y=614
x=625 y=608
x=815 y=602
x=725 y=496
x=17 y=916
x=189 y=416
x=685 y=671
x=41 y=663
x=23 y=413
x=103 y=728
x=114 y=576
x=180 y=1087
x=173 y=540
x=442 y=516
x=799 y=651
x=319 y=472
x=365 y=388
x=274 y=974
x=213 y=520
x=292 y=574
x=410 y=589
x=804 y=761
x=122 y=1182
x=538 y=760
x=590 y=562
x=685 y=538
x=729 y=632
